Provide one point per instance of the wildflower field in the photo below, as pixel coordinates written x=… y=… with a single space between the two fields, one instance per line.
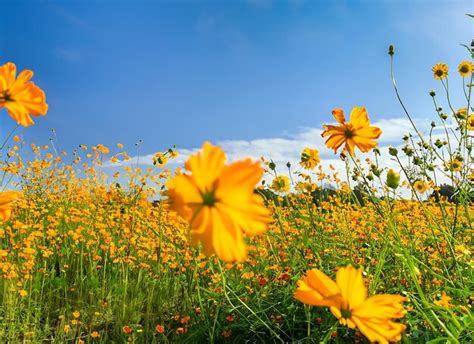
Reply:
x=208 y=252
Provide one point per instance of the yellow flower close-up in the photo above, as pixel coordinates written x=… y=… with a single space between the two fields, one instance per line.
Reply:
x=348 y=302
x=465 y=69
x=440 y=71
x=21 y=97
x=421 y=186
x=219 y=202
x=309 y=158
x=281 y=184
x=470 y=122
x=356 y=133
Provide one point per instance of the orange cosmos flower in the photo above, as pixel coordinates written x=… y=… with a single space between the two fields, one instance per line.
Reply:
x=6 y=199
x=347 y=300
x=357 y=132
x=20 y=96
x=219 y=202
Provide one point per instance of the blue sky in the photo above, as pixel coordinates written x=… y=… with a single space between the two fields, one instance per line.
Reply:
x=182 y=72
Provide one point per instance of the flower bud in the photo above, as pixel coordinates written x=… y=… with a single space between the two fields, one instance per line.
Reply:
x=392 y=151
x=393 y=179
x=391 y=50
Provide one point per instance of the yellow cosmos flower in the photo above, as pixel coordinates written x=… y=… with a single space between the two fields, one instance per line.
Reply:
x=20 y=96
x=348 y=302
x=219 y=202
x=6 y=199
x=470 y=122
x=421 y=186
x=357 y=133
x=440 y=71
x=454 y=164
x=309 y=158
x=281 y=184
x=465 y=68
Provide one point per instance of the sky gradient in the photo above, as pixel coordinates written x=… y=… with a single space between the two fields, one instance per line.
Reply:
x=182 y=72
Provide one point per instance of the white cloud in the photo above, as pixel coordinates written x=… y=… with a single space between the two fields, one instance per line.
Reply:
x=284 y=149
x=288 y=149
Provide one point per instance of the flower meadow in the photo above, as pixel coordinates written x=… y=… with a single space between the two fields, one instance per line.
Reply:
x=211 y=252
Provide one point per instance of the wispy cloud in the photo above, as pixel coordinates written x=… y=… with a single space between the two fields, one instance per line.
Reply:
x=70 y=17
x=69 y=55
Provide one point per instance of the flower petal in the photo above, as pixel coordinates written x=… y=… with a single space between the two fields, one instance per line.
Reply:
x=338 y=114
x=351 y=284
x=379 y=331
x=206 y=166
x=359 y=117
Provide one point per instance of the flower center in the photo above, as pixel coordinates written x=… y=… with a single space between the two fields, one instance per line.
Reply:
x=346 y=313
x=439 y=72
x=464 y=69
x=208 y=198
x=6 y=97
x=348 y=133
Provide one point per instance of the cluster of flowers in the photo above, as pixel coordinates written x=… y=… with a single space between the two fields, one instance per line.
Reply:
x=219 y=202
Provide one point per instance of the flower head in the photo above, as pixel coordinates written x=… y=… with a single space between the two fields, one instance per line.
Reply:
x=309 y=158
x=348 y=302
x=455 y=164
x=219 y=202
x=440 y=71
x=281 y=184
x=6 y=199
x=465 y=68
x=20 y=96
x=357 y=133
x=421 y=186
x=470 y=122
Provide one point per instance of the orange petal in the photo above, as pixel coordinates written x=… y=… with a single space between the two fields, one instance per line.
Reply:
x=338 y=114
x=351 y=284
x=317 y=289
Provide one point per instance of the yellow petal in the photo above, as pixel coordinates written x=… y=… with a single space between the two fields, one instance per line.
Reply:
x=9 y=196
x=379 y=331
x=359 y=118
x=227 y=239
x=351 y=284
x=184 y=195
x=381 y=306
x=206 y=166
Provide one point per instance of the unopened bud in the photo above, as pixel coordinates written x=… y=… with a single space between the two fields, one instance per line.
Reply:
x=391 y=50
x=392 y=151
x=393 y=179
